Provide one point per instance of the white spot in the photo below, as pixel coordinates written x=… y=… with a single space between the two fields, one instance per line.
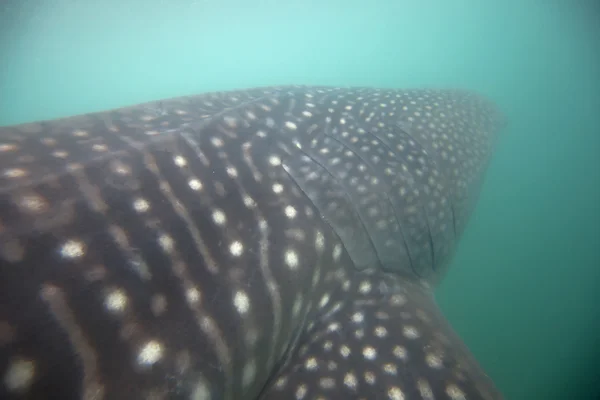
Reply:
x=15 y=173
x=327 y=383
x=60 y=154
x=150 y=353
x=116 y=301
x=319 y=241
x=394 y=393
x=249 y=202
x=99 y=147
x=346 y=285
x=397 y=300
x=249 y=373
x=33 y=203
x=454 y=392
x=236 y=248
x=141 y=205
x=337 y=252
x=219 y=217
x=425 y=389
x=307 y=114
x=80 y=133
x=399 y=352
x=345 y=351
x=19 y=375
x=390 y=369
x=301 y=391
x=274 y=161
x=166 y=242
x=281 y=382
x=72 y=249
x=291 y=259
x=410 y=332
x=350 y=380
x=277 y=188
x=290 y=125
x=263 y=225
x=192 y=295
x=324 y=300
x=370 y=378
x=217 y=142
x=433 y=360
x=337 y=306
x=230 y=121
x=369 y=353
x=297 y=306
x=200 y=391
x=195 y=184
x=6 y=147
x=311 y=364
x=180 y=161
x=364 y=287
x=232 y=172
x=380 y=331
x=316 y=277
x=290 y=212
x=358 y=317
x=241 y=302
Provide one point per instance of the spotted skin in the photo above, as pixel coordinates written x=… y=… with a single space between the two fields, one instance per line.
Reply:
x=272 y=243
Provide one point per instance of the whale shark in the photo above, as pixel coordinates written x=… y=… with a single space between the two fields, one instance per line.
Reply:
x=268 y=243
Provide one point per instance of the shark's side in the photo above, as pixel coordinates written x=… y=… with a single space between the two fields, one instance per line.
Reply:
x=272 y=243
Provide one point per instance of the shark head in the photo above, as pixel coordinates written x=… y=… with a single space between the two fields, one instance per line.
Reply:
x=270 y=243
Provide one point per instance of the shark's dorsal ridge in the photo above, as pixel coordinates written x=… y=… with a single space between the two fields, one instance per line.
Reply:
x=268 y=243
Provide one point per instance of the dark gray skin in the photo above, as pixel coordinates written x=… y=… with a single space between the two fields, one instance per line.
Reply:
x=273 y=243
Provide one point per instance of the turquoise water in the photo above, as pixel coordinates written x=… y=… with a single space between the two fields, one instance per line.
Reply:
x=522 y=288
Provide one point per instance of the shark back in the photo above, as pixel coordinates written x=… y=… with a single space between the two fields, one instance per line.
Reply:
x=259 y=244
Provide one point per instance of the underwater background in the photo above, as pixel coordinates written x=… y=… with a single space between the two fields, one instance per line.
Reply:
x=523 y=290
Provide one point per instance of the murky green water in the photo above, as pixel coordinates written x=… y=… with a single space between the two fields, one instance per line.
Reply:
x=523 y=288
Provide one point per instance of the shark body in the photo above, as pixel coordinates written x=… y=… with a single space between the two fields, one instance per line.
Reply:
x=271 y=243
